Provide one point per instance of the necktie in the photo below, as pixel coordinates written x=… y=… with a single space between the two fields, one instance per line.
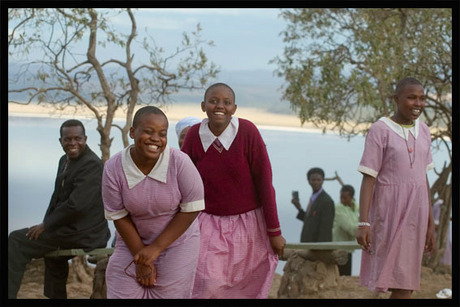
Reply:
x=218 y=145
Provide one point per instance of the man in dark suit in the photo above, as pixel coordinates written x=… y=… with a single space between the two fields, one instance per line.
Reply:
x=319 y=217
x=74 y=218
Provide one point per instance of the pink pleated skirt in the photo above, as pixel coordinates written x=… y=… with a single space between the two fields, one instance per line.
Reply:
x=236 y=260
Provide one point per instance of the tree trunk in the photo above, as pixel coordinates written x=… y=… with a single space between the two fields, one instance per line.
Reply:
x=442 y=187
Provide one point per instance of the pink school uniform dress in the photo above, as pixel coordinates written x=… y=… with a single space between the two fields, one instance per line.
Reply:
x=236 y=258
x=152 y=200
x=399 y=208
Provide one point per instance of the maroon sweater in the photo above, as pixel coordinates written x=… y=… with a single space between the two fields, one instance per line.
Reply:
x=238 y=180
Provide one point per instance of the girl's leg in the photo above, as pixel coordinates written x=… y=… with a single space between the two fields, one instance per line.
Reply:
x=400 y=294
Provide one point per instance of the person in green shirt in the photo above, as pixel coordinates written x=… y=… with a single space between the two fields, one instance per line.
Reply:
x=346 y=222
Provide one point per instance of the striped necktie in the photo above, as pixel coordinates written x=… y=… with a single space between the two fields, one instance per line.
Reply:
x=218 y=145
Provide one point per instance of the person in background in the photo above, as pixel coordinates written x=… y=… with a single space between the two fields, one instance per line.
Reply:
x=396 y=223
x=74 y=218
x=153 y=193
x=319 y=216
x=346 y=222
x=447 y=256
x=182 y=127
x=240 y=232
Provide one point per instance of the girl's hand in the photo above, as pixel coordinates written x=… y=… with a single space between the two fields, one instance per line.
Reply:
x=146 y=275
x=278 y=243
x=363 y=238
x=147 y=255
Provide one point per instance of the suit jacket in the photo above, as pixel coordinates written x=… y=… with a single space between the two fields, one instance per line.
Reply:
x=75 y=215
x=318 y=223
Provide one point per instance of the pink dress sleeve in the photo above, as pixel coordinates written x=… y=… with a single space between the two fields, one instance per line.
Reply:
x=426 y=134
x=190 y=186
x=111 y=190
x=374 y=148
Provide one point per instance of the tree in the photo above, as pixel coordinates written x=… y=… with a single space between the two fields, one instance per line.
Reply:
x=341 y=65
x=69 y=59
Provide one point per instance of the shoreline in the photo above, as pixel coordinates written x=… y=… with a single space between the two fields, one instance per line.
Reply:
x=174 y=112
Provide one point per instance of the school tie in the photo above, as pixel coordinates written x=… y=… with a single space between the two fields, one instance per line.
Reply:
x=218 y=145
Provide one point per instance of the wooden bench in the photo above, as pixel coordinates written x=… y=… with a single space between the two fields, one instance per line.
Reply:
x=326 y=251
x=346 y=245
x=80 y=252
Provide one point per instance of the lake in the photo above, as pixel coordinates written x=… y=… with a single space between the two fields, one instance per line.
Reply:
x=34 y=151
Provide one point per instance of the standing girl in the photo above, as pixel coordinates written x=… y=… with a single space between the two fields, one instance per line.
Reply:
x=240 y=231
x=396 y=224
x=153 y=194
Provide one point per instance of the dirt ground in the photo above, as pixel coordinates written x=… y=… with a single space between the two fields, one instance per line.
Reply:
x=348 y=286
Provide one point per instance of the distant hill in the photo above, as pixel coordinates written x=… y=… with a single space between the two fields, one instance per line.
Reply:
x=253 y=88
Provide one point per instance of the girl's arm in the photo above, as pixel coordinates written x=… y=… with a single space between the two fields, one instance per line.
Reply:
x=132 y=239
x=178 y=225
x=128 y=232
x=365 y=196
x=430 y=241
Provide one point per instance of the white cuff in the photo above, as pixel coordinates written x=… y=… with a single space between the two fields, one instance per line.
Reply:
x=193 y=206
x=115 y=215
x=430 y=166
x=367 y=171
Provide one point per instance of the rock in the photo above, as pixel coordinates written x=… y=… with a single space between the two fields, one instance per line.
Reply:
x=304 y=276
x=99 y=286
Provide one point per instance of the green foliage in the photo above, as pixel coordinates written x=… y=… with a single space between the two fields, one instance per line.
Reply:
x=341 y=65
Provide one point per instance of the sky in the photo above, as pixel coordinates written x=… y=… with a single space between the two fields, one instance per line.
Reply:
x=244 y=39
x=244 y=42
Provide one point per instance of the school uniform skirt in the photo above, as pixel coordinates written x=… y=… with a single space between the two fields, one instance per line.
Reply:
x=236 y=259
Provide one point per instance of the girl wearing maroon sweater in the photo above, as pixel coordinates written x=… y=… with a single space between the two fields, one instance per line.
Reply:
x=240 y=232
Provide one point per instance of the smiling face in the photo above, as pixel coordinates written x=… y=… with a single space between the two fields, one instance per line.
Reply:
x=410 y=101
x=316 y=181
x=73 y=141
x=219 y=105
x=150 y=139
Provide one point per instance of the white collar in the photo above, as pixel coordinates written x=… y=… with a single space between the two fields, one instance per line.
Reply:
x=226 y=137
x=399 y=129
x=134 y=175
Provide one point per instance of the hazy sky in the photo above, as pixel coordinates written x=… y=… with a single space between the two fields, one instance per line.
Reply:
x=243 y=38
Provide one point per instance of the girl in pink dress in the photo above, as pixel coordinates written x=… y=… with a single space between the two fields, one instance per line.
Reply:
x=396 y=224
x=153 y=193
x=240 y=231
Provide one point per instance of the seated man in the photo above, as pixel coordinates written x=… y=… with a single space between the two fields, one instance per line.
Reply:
x=74 y=218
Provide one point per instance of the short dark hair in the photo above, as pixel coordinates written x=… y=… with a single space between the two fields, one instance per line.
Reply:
x=144 y=111
x=348 y=188
x=404 y=82
x=219 y=84
x=315 y=170
x=72 y=123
